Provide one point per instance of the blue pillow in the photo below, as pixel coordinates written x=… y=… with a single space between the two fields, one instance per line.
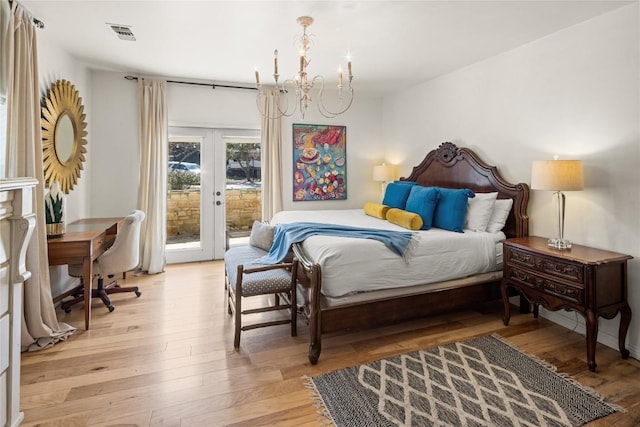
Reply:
x=396 y=194
x=423 y=201
x=451 y=210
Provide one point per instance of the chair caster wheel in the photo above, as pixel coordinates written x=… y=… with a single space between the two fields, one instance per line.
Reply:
x=138 y=293
x=67 y=310
x=111 y=308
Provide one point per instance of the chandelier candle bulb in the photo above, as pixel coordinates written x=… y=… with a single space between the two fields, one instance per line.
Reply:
x=275 y=62
x=257 y=77
x=339 y=77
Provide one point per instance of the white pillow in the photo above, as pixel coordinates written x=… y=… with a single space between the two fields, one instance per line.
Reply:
x=501 y=210
x=479 y=211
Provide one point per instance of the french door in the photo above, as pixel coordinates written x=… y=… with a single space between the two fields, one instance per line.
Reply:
x=199 y=219
x=195 y=229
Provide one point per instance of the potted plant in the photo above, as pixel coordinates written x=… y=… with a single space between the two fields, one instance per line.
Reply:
x=53 y=203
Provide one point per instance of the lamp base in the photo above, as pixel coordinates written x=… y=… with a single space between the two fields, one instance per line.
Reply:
x=559 y=243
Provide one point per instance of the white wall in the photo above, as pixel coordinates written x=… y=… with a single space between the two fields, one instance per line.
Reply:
x=115 y=171
x=573 y=93
x=56 y=64
x=214 y=108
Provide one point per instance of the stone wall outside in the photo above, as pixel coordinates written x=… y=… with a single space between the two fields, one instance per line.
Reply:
x=183 y=212
x=243 y=206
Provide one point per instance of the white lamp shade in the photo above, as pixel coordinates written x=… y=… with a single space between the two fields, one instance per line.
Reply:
x=384 y=173
x=557 y=175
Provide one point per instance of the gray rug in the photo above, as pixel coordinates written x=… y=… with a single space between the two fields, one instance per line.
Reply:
x=480 y=382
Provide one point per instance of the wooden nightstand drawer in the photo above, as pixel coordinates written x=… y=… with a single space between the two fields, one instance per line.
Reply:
x=565 y=291
x=558 y=268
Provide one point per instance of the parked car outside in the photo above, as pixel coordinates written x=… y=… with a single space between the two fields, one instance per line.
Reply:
x=184 y=167
x=239 y=171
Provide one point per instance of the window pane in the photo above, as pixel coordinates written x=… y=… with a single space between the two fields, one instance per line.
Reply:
x=183 y=200
x=243 y=191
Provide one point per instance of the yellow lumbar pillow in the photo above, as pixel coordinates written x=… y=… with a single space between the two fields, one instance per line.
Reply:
x=405 y=219
x=376 y=209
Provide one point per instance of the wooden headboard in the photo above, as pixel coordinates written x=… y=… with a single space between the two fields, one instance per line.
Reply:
x=452 y=167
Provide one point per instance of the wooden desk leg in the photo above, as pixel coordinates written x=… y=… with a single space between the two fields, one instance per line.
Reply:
x=87 y=279
x=505 y=301
x=625 y=320
x=592 y=336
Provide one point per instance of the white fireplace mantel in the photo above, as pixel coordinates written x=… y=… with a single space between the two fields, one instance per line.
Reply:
x=17 y=222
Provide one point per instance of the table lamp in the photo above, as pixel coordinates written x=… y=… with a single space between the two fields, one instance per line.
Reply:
x=384 y=173
x=558 y=176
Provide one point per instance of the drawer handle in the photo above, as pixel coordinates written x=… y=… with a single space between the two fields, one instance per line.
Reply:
x=520 y=276
x=521 y=257
x=562 y=268
x=562 y=290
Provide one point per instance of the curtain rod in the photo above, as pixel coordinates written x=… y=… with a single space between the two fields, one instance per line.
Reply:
x=36 y=22
x=213 y=85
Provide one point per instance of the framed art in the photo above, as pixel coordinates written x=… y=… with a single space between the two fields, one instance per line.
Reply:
x=319 y=162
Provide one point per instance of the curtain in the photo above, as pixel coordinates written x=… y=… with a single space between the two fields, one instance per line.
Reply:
x=5 y=16
x=40 y=327
x=271 y=154
x=153 y=137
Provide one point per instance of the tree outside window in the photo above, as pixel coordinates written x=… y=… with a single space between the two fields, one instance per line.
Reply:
x=243 y=162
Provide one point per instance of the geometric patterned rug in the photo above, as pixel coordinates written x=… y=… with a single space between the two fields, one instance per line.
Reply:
x=476 y=383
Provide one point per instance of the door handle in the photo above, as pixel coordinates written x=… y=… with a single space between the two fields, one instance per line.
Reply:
x=218 y=193
x=218 y=203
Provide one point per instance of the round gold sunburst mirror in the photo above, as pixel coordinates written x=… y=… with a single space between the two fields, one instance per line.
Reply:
x=63 y=135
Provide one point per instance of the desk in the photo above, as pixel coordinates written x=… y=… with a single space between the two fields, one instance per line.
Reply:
x=83 y=242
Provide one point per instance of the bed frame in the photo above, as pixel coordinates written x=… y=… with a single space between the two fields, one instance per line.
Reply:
x=447 y=166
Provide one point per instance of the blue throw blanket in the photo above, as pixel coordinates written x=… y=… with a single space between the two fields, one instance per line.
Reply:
x=287 y=234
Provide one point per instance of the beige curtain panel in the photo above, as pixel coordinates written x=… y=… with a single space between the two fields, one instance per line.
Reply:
x=40 y=327
x=271 y=155
x=153 y=138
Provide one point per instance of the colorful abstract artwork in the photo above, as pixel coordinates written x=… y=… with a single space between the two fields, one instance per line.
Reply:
x=319 y=162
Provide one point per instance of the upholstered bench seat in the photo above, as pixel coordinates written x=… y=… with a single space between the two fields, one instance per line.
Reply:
x=258 y=283
x=246 y=277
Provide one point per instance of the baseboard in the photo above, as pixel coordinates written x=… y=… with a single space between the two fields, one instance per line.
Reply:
x=574 y=321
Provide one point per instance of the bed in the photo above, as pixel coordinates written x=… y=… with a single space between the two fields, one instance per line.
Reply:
x=337 y=297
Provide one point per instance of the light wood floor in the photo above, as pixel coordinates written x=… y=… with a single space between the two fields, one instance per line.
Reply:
x=167 y=359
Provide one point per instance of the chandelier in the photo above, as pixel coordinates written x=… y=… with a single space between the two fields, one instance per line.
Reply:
x=295 y=93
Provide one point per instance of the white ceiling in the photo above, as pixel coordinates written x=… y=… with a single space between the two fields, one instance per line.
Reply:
x=393 y=44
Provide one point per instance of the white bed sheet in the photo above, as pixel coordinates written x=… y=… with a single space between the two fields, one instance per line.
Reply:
x=350 y=265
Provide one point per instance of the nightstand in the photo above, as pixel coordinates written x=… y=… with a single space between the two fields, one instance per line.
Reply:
x=591 y=281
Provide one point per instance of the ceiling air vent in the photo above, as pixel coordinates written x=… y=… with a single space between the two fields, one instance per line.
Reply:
x=123 y=31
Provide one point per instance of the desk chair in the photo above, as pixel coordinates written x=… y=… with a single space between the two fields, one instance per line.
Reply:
x=122 y=256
